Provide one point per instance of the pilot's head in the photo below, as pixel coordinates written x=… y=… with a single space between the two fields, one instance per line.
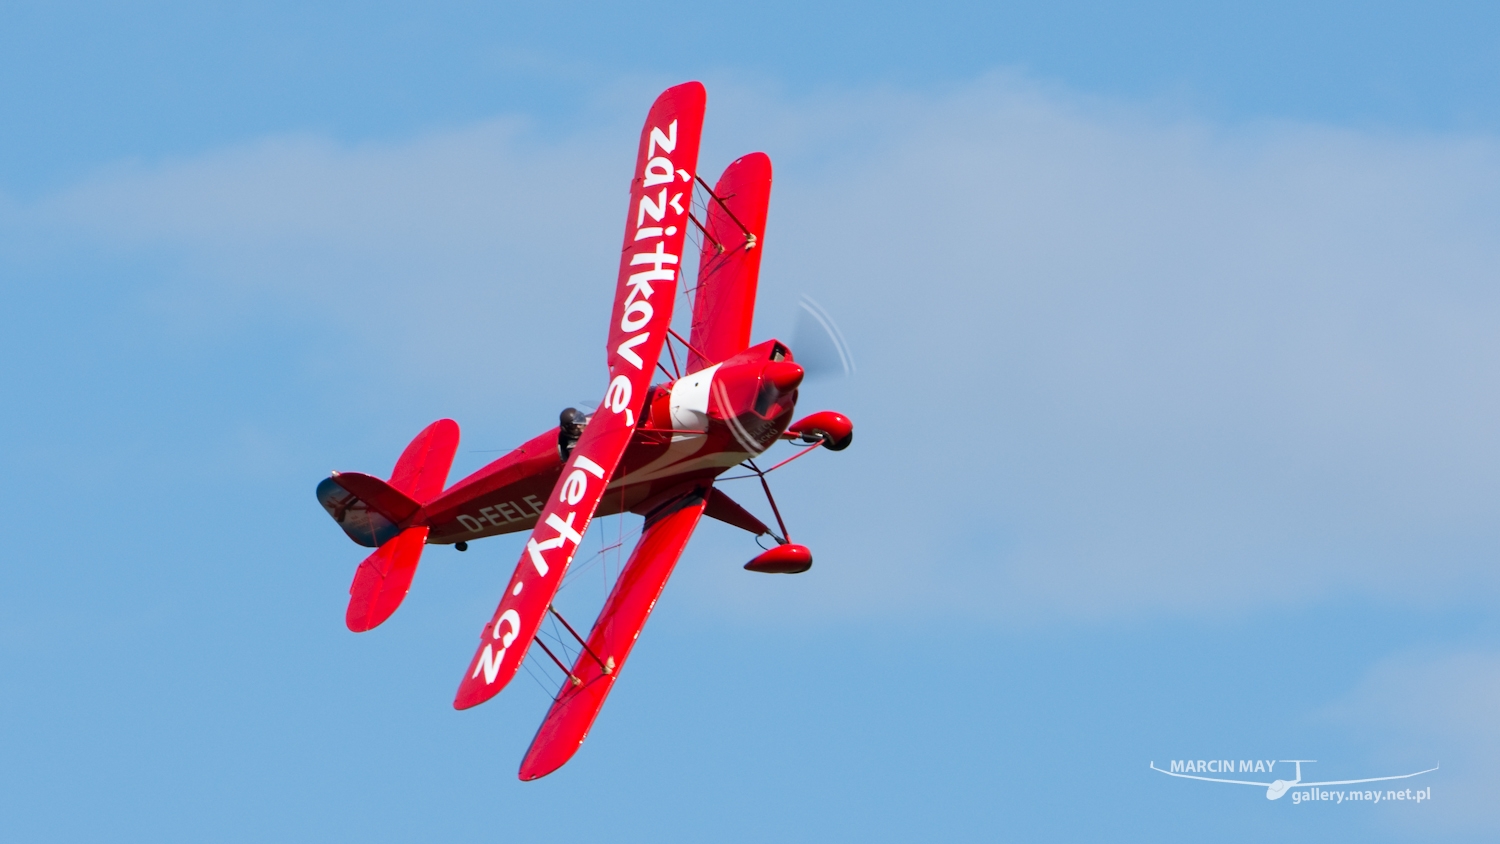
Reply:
x=572 y=419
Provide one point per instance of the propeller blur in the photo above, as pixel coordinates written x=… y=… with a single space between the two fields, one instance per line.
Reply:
x=820 y=345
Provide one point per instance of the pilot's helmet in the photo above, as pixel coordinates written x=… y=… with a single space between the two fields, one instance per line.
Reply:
x=572 y=417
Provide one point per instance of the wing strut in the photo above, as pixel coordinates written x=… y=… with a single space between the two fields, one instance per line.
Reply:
x=690 y=346
x=558 y=662
x=702 y=228
x=786 y=535
x=608 y=669
x=744 y=229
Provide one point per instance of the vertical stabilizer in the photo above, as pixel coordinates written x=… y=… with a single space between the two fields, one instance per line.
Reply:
x=422 y=469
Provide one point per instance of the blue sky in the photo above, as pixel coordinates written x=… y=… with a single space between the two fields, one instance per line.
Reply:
x=1175 y=333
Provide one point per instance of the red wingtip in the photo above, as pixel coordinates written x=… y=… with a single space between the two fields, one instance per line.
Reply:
x=477 y=687
x=536 y=769
x=466 y=698
x=566 y=726
x=691 y=89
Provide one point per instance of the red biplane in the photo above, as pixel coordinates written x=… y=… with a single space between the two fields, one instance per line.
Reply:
x=653 y=450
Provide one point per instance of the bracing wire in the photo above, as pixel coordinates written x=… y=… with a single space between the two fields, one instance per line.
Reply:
x=601 y=557
x=526 y=664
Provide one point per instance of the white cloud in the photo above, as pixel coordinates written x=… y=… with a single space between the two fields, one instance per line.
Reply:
x=1439 y=707
x=1111 y=363
x=1130 y=365
x=452 y=257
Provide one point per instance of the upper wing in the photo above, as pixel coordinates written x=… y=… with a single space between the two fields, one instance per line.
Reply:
x=660 y=196
x=609 y=643
x=729 y=267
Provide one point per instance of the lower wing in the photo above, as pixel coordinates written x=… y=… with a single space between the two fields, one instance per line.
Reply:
x=619 y=625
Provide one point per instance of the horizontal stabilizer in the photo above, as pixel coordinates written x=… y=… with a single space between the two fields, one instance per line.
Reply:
x=360 y=521
x=377 y=495
x=382 y=580
x=367 y=508
x=372 y=511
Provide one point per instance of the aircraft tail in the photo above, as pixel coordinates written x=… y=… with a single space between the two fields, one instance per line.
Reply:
x=378 y=514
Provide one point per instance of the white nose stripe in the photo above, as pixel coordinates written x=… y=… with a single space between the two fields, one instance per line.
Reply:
x=689 y=400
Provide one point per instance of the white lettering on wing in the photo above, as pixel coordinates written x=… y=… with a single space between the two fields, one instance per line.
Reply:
x=489 y=661
x=659 y=171
x=627 y=350
x=589 y=466
x=667 y=141
x=656 y=210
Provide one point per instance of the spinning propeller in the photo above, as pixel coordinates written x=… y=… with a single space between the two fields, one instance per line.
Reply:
x=818 y=343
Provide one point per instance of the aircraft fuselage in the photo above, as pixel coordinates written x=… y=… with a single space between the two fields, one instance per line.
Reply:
x=695 y=428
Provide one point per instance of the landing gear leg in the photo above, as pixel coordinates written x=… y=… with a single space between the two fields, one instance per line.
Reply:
x=785 y=558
